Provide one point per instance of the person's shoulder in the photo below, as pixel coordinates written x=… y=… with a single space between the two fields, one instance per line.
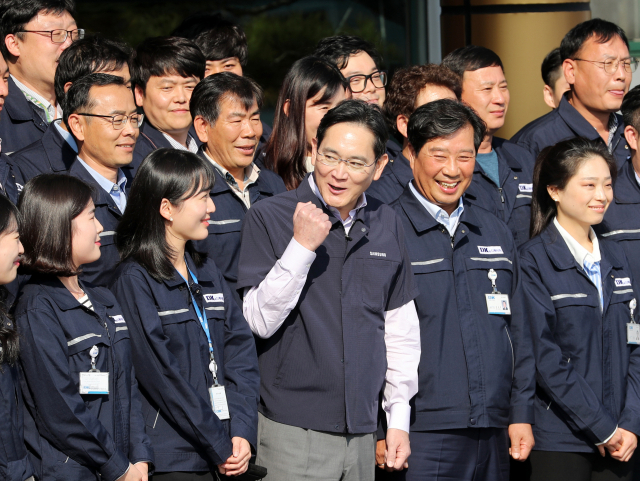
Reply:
x=539 y=126
x=282 y=204
x=129 y=270
x=33 y=295
x=532 y=248
x=272 y=181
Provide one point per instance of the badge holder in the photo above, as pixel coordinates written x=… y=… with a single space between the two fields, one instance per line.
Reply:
x=633 y=328
x=497 y=303
x=94 y=381
x=217 y=393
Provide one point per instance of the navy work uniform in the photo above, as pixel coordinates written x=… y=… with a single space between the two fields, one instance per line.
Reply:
x=476 y=371
x=174 y=363
x=511 y=200
x=225 y=224
x=21 y=122
x=566 y=122
x=395 y=177
x=10 y=184
x=74 y=434
x=588 y=374
x=151 y=139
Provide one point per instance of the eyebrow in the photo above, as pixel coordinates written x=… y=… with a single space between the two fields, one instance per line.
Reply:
x=595 y=178
x=356 y=157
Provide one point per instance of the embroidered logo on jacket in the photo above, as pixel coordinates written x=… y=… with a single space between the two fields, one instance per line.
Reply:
x=623 y=282
x=214 y=297
x=490 y=250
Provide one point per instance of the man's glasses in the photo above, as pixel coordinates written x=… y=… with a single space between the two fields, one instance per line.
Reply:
x=357 y=83
x=610 y=66
x=119 y=121
x=355 y=165
x=59 y=35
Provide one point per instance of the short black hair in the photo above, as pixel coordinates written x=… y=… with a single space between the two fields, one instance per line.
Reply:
x=361 y=113
x=15 y=14
x=78 y=98
x=217 y=37
x=601 y=30
x=441 y=118
x=551 y=68
x=86 y=56
x=209 y=93
x=631 y=108
x=339 y=48
x=471 y=58
x=159 y=56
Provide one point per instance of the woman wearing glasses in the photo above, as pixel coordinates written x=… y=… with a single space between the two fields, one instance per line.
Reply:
x=310 y=89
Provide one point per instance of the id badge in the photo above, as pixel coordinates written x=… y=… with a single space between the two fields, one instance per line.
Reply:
x=94 y=383
x=498 y=304
x=219 y=402
x=633 y=333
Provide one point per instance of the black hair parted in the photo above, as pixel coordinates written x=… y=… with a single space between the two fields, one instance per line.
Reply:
x=601 y=30
x=551 y=68
x=209 y=93
x=161 y=56
x=86 y=56
x=10 y=222
x=170 y=174
x=631 y=108
x=78 y=97
x=442 y=118
x=471 y=58
x=15 y=14
x=339 y=48
x=358 y=112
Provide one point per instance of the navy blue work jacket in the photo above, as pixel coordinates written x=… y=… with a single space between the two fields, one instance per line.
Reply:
x=588 y=377
x=476 y=369
x=511 y=202
x=14 y=462
x=49 y=154
x=395 y=177
x=563 y=123
x=225 y=224
x=102 y=271
x=21 y=122
x=151 y=139
x=171 y=356
x=73 y=436
x=323 y=369
x=622 y=220
x=11 y=184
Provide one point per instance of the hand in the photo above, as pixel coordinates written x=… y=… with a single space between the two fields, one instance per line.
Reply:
x=398 y=450
x=238 y=462
x=381 y=449
x=311 y=226
x=522 y=441
x=144 y=470
x=627 y=448
x=614 y=444
x=132 y=475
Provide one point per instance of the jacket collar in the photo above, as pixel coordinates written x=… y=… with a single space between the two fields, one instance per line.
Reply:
x=65 y=300
x=201 y=274
x=626 y=190
x=401 y=169
x=102 y=197
x=59 y=153
x=17 y=106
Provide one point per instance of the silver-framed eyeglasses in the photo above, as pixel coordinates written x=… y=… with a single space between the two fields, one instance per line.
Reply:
x=357 y=83
x=611 y=65
x=356 y=165
x=119 y=121
x=59 y=35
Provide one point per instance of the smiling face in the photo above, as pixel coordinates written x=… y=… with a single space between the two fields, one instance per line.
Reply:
x=10 y=251
x=85 y=242
x=485 y=91
x=315 y=111
x=190 y=218
x=443 y=169
x=361 y=63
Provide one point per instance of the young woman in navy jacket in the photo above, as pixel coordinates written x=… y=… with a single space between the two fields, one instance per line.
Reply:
x=582 y=301
x=193 y=350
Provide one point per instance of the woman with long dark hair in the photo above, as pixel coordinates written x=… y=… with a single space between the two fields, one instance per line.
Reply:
x=193 y=351
x=83 y=417
x=581 y=301
x=312 y=87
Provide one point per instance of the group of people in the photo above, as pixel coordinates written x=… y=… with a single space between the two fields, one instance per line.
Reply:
x=374 y=287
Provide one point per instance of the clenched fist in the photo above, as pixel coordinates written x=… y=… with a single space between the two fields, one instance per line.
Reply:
x=311 y=226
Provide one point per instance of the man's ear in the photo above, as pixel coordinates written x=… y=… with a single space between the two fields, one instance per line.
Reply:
x=314 y=151
x=631 y=134
x=569 y=70
x=138 y=96
x=402 y=124
x=380 y=165
x=12 y=44
x=76 y=126
x=547 y=92
x=200 y=126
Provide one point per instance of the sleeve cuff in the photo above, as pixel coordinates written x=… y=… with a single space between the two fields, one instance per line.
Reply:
x=399 y=417
x=608 y=439
x=117 y=465
x=297 y=259
x=521 y=414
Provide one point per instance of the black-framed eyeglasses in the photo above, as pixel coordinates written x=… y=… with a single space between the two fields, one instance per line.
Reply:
x=59 y=35
x=356 y=165
x=119 y=121
x=610 y=66
x=357 y=83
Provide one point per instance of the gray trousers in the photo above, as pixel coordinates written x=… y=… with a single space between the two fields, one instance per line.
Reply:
x=295 y=454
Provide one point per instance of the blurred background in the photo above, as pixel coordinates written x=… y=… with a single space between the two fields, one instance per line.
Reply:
x=406 y=32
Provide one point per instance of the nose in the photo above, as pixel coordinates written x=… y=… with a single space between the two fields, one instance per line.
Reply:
x=369 y=87
x=340 y=171
x=98 y=225
x=498 y=96
x=181 y=95
x=451 y=168
x=247 y=129
x=4 y=89
x=20 y=248
x=211 y=207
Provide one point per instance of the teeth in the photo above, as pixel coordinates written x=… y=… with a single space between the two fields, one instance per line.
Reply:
x=451 y=186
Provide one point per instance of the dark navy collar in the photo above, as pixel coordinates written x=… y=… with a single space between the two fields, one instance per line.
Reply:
x=102 y=197
x=201 y=274
x=400 y=167
x=626 y=189
x=579 y=125
x=16 y=104
x=157 y=138
x=64 y=299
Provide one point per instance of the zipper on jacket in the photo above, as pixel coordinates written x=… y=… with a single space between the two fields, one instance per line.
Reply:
x=501 y=195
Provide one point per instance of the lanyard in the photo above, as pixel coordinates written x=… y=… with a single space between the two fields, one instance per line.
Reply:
x=202 y=317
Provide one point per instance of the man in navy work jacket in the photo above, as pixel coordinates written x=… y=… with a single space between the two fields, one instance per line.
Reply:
x=164 y=72
x=410 y=88
x=476 y=369
x=57 y=150
x=226 y=111
x=598 y=68
x=329 y=292
x=9 y=185
x=33 y=34
x=100 y=113
x=502 y=179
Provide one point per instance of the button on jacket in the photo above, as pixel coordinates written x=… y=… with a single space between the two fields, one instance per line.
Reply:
x=511 y=202
x=395 y=177
x=225 y=224
x=74 y=436
x=151 y=139
x=325 y=366
x=564 y=123
x=21 y=123
x=588 y=377
x=171 y=356
x=621 y=222
x=476 y=369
